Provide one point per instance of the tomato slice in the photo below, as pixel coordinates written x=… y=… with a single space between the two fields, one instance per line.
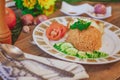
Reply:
x=53 y=33
x=63 y=31
x=56 y=31
x=61 y=27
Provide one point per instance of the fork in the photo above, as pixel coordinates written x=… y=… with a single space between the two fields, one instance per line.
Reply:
x=7 y=62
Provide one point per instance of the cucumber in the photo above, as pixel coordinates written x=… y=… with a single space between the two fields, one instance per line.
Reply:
x=68 y=48
x=82 y=55
x=57 y=45
x=71 y=51
x=60 y=43
x=100 y=54
x=92 y=55
x=65 y=45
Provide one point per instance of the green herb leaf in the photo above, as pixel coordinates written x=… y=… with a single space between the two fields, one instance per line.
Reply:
x=74 y=26
x=19 y=3
x=80 y=24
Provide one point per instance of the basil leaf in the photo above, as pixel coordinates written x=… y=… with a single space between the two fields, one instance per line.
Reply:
x=81 y=27
x=87 y=25
x=80 y=24
x=74 y=26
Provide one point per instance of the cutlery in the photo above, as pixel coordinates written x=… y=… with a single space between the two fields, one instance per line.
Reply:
x=7 y=62
x=16 y=54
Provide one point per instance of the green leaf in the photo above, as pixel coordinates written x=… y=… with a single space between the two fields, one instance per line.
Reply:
x=80 y=24
x=74 y=26
x=19 y=3
x=16 y=30
x=87 y=25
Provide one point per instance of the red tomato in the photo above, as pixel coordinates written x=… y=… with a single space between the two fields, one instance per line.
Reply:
x=63 y=31
x=10 y=18
x=53 y=33
x=56 y=31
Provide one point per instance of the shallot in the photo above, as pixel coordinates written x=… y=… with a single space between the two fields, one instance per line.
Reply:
x=39 y=19
x=100 y=9
x=27 y=19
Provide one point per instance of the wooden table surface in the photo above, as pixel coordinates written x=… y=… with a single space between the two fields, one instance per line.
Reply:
x=96 y=72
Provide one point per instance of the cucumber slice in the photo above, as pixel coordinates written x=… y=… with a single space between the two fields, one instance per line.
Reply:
x=68 y=48
x=65 y=45
x=82 y=55
x=57 y=45
x=71 y=51
x=100 y=54
x=92 y=55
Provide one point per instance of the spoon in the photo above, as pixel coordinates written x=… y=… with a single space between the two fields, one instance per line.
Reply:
x=15 y=53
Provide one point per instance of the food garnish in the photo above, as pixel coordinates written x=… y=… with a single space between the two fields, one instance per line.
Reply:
x=56 y=31
x=80 y=24
x=69 y=49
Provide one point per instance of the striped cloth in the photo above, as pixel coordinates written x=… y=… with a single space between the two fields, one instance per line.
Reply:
x=5 y=73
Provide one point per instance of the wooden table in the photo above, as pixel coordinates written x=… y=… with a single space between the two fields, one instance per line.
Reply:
x=96 y=72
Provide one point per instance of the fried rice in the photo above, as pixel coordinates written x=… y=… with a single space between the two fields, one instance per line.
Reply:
x=85 y=40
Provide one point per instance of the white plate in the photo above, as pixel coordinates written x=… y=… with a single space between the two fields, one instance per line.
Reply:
x=110 y=42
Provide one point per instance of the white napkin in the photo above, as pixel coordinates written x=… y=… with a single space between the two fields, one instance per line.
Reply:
x=14 y=73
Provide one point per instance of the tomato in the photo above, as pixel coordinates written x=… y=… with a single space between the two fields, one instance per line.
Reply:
x=61 y=27
x=63 y=30
x=56 y=31
x=10 y=18
x=53 y=33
